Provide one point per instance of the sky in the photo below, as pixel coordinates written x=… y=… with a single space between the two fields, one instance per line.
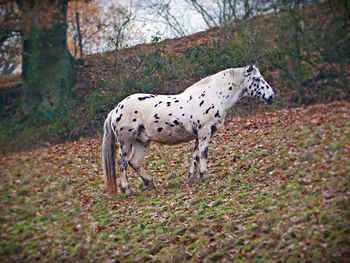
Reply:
x=191 y=20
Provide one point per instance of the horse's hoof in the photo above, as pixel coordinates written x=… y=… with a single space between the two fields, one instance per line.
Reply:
x=128 y=192
x=150 y=185
x=204 y=176
x=192 y=176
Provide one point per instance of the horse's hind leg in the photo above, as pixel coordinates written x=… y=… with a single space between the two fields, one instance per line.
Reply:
x=125 y=151
x=138 y=152
x=193 y=173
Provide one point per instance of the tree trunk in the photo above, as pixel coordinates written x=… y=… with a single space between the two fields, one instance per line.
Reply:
x=79 y=35
x=47 y=69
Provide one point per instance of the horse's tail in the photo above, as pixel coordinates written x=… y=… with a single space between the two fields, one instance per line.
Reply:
x=108 y=156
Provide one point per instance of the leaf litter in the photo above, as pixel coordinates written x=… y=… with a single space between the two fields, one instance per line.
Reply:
x=280 y=191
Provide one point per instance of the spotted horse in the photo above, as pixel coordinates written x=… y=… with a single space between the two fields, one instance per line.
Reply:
x=195 y=114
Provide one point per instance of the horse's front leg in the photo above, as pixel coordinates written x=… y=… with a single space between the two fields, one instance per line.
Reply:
x=204 y=136
x=193 y=173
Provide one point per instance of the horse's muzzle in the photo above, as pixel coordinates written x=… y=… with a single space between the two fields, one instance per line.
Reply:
x=270 y=99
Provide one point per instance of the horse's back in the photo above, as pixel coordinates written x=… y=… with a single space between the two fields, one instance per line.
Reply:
x=160 y=118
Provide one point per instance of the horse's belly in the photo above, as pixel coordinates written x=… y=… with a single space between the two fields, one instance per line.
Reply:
x=172 y=136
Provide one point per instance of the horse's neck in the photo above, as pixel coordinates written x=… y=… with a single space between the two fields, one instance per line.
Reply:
x=224 y=87
x=235 y=93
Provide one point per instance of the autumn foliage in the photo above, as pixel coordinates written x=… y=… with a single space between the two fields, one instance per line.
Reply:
x=279 y=192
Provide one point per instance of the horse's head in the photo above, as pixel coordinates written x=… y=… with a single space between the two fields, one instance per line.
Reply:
x=255 y=85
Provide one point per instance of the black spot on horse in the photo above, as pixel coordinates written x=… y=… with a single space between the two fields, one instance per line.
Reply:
x=135 y=111
x=230 y=88
x=205 y=152
x=116 y=110
x=141 y=128
x=176 y=101
x=134 y=120
x=160 y=129
x=156 y=121
x=168 y=103
x=183 y=114
x=217 y=114
x=119 y=118
x=206 y=112
x=194 y=130
x=122 y=106
x=213 y=129
x=130 y=130
x=176 y=122
x=200 y=104
x=156 y=116
x=143 y=98
x=170 y=114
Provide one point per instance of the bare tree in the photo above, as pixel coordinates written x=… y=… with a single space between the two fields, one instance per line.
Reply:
x=162 y=11
x=220 y=12
x=117 y=21
x=10 y=37
x=213 y=12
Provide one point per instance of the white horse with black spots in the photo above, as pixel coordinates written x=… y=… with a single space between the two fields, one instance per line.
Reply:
x=195 y=114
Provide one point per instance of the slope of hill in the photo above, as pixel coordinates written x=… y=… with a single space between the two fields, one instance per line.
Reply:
x=296 y=55
x=303 y=54
x=279 y=192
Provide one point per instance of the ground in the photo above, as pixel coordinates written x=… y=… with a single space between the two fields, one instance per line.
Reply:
x=279 y=192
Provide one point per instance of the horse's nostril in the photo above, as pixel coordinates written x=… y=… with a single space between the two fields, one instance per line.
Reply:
x=269 y=100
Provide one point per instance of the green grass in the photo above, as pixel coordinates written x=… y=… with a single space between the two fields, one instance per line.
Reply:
x=279 y=192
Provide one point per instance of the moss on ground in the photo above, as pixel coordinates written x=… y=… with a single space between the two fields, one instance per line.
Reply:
x=279 y=192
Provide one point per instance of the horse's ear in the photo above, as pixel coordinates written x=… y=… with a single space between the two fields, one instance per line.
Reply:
x=250 y=68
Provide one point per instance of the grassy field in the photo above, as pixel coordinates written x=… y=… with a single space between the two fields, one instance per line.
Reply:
x=279 y=192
